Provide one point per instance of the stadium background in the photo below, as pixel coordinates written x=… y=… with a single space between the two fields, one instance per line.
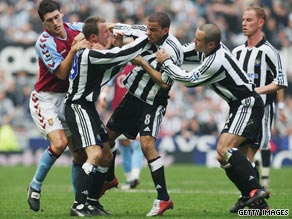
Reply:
x=194 y=116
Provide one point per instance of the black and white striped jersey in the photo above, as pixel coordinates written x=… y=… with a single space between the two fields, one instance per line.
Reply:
x=91 y=69
x=219 y=70
x=263 y=66
x=138 y=82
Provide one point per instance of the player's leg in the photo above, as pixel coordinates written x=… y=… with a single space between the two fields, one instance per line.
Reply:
x=265 y=145
x=87 y=186
x=79 y=158
x=92 y=174
x=163 y=201
x=137 y=162
x=44 y=112
x=111 y=181
x=126 y=154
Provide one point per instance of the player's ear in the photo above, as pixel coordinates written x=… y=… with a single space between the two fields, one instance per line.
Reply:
x=165 y=30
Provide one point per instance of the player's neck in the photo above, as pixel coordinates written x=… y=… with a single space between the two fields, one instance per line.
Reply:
x=253 y=40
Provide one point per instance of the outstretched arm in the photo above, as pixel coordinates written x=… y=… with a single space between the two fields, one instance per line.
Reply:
x=79 y=42
x=155 y=75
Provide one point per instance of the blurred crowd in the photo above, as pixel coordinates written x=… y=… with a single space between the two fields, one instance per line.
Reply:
x=191 y=111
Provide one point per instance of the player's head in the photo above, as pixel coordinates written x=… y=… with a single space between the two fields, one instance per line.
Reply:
x=47 y=6
x=253 y=20
x=95 y=30
x=207 y=37
x=52 y=17
x=158 y=27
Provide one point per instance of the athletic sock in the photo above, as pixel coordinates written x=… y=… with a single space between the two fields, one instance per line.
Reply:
x=137 y=159
x=126 y=154
x=75 y=171
x=86 y=179
x=46 y=162
x=256 y=171
x=157 y=173
x=266 y=162
x=233 y=176
x=98 y=180
x=111 y=171
x=242 y=167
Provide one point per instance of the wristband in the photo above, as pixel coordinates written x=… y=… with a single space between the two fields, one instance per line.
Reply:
x=281 y=105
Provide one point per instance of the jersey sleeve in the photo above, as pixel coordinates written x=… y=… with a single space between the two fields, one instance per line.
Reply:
x=190 y=53
x=46 y=50
x=76 y=26
x=200 y=75
x=275 y=64
x=118 y=56
x=130 y=30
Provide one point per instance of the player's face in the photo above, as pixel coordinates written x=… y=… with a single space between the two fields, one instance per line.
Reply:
x=199 y=41
x=251 y=24
x=155 y=33
x=103 y=34
x=53 y=22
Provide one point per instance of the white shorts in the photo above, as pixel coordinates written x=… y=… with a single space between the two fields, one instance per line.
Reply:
x=47 y=110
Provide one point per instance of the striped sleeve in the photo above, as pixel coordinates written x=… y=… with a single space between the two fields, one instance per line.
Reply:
x=130 y=30
x=275 y=64
x=190 y=54
x=202 y=74
x=118 y=55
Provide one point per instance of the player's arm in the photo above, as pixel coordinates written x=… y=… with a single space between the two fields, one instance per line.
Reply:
x=280 y=80
x=154 y=74
x=190 y=53
x=63 y=69
x=281 y=105
x=130 y=30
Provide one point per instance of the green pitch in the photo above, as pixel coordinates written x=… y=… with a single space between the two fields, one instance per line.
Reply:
x=197 y=192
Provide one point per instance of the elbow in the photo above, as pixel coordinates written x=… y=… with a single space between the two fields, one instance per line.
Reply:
x=61 y=76
x=164 y=86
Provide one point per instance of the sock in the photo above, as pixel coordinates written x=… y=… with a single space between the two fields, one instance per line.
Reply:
x=75 y=171
x=242 y=167
x=46 y=162
x=86 y=179
x=256 y=171
x=157 y=173
x=233 y=176
x=266 y=157
x=98 y=180
x=137 y=155
x=137 y=159
x=111 y=171
x=126 y=154
x=266 y=161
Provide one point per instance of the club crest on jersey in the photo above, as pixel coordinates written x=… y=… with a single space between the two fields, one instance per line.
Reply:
x=252 y=75
x=257 y=62
x=51 y=121
x=74 y=69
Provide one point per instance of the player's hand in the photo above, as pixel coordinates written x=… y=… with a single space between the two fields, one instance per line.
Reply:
x=82 y=44
x=138 y=60
x=78 y=38
x=282 y=116
x=118 y=39
x=161 y=55
x=110 y=26
x=97 y=46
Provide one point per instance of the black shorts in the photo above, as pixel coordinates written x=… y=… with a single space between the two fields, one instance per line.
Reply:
x=86 y=127
x=134 y=116
x=245 y=119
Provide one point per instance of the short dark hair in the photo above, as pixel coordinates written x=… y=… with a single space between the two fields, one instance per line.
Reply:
x=160 y=17
x=47 y=6
x=212 y=31
x=90 y=26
